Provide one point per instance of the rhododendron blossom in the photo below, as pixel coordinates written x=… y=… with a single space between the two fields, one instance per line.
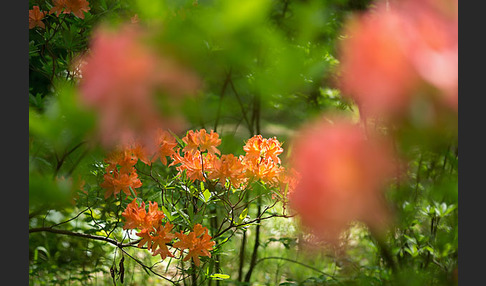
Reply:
x=152 y=232
x=120 y=79
x=35 y=18
x=259 y=147
x=342 y=176
x=287 y=180
x=198 y=242
x=117 y=181
x=202 y=141
x=391 y=53
x=166 y=144
x=160 y=239
x=260 y=169
x=261 y=160
x=123 y=157
x=77 y=7
x=228 y=167
x=137 y=216
x=120 y=171
x=194 y=164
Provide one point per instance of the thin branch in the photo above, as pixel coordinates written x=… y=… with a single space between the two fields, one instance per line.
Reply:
x=254 y=254
x=250 y=222
x=83 y=235
x=149 y=268
x=296 y=262
x=73 y=218
x=243 y=111
x=60 y=162
x=223 y=91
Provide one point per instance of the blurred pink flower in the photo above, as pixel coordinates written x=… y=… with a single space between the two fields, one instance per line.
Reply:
x=121 y=78
x=432 y=32
x=375 y=71
x=342 y=178
x=392 y=52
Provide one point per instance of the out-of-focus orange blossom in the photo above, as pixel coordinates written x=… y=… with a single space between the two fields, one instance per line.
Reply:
x=342 y=175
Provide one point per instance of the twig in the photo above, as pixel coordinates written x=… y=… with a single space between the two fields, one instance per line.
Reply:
x=83 y=235
x=296 y=262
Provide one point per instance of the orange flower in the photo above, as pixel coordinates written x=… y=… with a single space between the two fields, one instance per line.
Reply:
x=143 y=153
x=160 y=240
x=202 y=141
x=193 y=164
x=35 y=18
x=259 y=147
x=116 y=181
x=260 y=169
x=261 y=160
x=123 y=157
x=77 y=7
x=59 y=6
x=166 y=144
x=287 y=181
x=134 y=215
x=154 y=216
x=146 y=236
x=152 y=232
x=228 y=167
x=342 y=178
x=198 y=242
x=127 y=155
x=138 y=217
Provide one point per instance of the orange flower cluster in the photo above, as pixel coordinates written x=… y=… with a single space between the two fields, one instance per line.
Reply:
x=261 y=160
x=199 y=154
x=195 y=164
x=137 y=216
x=200 y=161
x=117 y=181
x=156 y=235
x=77 y=7
x=202 y=141
x=152 y=232
x=166 y=144
x=121 y=173
x=35 y=18
x=228 y=167
x=198 y=242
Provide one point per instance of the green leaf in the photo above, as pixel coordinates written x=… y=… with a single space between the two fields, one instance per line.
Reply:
x=243 y=215
x=219 y=276
x=132 y=191
x=207 y=195
x=449 y=209
x=181 y=143
x=167 y=213
x=184 y=216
